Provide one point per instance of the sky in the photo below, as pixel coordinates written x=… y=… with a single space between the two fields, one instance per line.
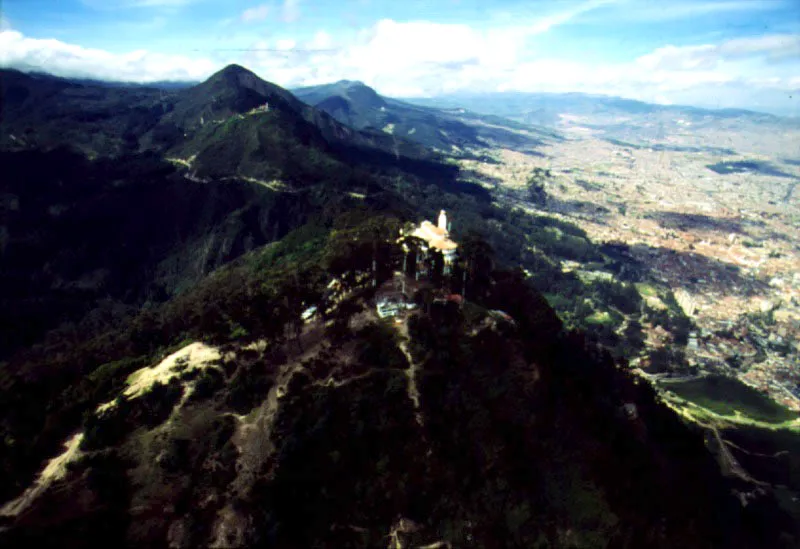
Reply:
x=709 y=53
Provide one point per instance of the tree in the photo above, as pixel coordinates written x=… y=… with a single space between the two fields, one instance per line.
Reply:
x=477 y=259
x=412 y=249
x=536 y=186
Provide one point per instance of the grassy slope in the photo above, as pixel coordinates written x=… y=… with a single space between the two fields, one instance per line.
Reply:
x=728 y=397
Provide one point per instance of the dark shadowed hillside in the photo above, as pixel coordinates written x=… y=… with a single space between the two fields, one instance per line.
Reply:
x=517 y=434
x=102 y=201
x=43 y=111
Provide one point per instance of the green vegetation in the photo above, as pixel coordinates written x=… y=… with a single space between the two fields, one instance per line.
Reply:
x=110 y=427
x=663 y=310
x=378 y=348
x=762 y=437
x=646 y=290
x=599 y=317
x=249 y=384
x=280 y=147
x=730 y=397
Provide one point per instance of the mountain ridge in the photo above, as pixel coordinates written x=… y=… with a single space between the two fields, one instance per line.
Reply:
x=464 y=99
x=88 y=147
x=38 y=111
x=451 y=99
x=453 y=132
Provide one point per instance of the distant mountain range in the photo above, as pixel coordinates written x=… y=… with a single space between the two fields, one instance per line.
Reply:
x=544 y=108
x=383 y=123
x=612 y=118
x=446 y=129
x=44 y=111
x=457 y=122
x=34 y=70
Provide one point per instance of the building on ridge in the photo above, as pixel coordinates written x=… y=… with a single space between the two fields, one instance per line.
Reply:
x=437 y=237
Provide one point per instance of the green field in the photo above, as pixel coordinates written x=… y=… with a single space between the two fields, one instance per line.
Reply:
x=730 y=397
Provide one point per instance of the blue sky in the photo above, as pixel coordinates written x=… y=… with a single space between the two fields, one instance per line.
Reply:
x=718 y=53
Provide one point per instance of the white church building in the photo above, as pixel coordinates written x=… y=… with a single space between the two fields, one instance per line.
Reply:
x=437 y=237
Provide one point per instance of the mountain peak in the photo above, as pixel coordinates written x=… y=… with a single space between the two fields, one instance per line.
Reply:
x=352 y=84
x=242 y=88
x=231 y=90
x=235 y=75
x=233 y=68
x=362 y=95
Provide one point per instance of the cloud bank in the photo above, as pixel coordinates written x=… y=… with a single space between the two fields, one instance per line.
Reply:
x=70 y=60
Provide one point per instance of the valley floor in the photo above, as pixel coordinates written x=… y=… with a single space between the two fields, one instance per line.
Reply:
x=726 y=245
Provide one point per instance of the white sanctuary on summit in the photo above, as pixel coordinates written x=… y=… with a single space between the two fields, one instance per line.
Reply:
x=438 y=237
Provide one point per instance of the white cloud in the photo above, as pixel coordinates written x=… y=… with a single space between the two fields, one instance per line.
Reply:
x=775 y=46
x=321 y=41
x=423 y=58
x=709 y=56
x=291 y=10
x=69 y=60
x=680 y=58
x=256 y=13
x=285 y=44
x=404 y=45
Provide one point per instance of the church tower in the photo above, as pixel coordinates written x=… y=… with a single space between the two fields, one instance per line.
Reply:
x=443 y=220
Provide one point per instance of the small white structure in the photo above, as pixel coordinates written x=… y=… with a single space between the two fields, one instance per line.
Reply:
x=309 y=313
x=387 y=307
